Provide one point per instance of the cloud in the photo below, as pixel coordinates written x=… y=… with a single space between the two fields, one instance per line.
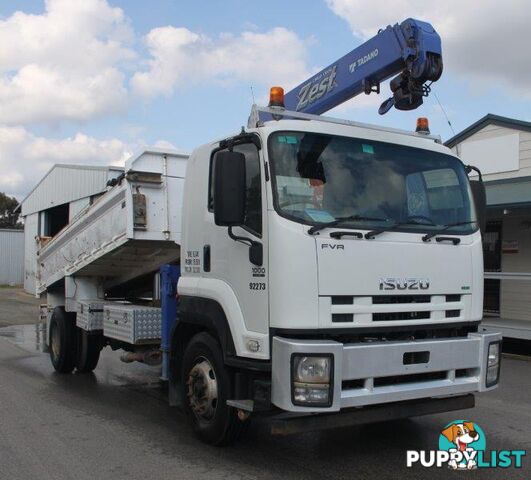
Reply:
x=486 y=42
x=38 y=94
x=164 y=144
x=181 y=58
x=25 y=158
x=361 y=102
x=63 y=64
x=71 y=62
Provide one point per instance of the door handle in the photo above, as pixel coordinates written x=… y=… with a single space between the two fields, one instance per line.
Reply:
x=206 y=258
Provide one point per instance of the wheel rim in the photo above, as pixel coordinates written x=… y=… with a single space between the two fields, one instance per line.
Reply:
x=202 y=390
x=56 y=341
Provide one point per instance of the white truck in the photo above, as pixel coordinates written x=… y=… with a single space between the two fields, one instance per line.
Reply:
x=331 y=272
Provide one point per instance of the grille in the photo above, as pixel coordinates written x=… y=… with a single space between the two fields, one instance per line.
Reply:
x=342 y=300
x=352 y=384
x=408 y=378
x=342 y=317
x=453 y=298
x=389 y=299
x=400 y=379
x=389 y=316
x=417 y=377
x=364 y=309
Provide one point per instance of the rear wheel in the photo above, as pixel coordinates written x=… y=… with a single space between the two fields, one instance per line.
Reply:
x=206 y=386
x=63 y=342
x=88 y=351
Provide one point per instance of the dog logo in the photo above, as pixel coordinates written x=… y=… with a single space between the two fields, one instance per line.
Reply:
x=462 y=440
x=463 y=446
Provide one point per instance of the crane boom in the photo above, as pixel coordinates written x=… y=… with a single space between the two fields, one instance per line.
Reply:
x=412 y=49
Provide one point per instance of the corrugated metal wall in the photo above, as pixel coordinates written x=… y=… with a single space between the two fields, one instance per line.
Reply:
x=11 y=257
x=73 y=184
x=77 y=206
x=31 y=230
x=65 y=184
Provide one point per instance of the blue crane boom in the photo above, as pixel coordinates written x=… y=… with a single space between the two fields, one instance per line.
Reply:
x=412 y=49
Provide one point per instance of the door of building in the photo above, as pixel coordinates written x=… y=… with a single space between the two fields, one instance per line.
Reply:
x=492 y=261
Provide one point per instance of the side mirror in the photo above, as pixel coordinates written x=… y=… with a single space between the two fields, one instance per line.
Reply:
x=229 y=189
x=480 y=200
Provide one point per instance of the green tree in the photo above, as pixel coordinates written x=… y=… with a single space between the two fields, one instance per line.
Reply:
x=8 y=216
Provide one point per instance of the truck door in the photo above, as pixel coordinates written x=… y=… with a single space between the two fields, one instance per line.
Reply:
x=229 y=259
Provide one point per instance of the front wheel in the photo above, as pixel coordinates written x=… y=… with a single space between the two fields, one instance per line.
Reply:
x=206 y=386
x=63 y=341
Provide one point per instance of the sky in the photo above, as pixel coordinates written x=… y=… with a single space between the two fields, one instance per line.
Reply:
x=92 y=81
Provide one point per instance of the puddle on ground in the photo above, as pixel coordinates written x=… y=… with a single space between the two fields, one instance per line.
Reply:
x=29 y=337
x=110 y=370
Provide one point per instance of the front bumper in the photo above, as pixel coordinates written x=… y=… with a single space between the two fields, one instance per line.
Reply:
x=287 y=423
x=383 y=372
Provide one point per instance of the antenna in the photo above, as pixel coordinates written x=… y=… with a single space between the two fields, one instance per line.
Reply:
x=445 y=114
x=252 y=94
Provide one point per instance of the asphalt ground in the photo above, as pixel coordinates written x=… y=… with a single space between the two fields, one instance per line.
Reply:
x=116 y=424
x=17 y=307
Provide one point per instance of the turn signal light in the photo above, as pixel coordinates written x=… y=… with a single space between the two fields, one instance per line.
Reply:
x=276 y=97
x=423 y=125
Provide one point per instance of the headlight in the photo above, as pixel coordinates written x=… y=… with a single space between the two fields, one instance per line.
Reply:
x=311 y=369
x=493 y=364
x=311 y=380
x=494 y=354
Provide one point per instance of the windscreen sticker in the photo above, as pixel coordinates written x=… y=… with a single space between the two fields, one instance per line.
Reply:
x=319 y=215
x=367 y=148
x=281 y=139
x=291 y=139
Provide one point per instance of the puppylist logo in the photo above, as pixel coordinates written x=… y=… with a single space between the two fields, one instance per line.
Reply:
x=463 y=446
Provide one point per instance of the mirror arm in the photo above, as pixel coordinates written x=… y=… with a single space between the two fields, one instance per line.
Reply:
x=255 y=256
x=243 y=137
x=469 y=168
x=236 y=238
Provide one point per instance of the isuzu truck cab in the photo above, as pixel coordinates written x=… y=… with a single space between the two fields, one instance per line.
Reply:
x=341 y=263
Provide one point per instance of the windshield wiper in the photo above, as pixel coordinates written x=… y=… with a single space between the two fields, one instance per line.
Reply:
x=370 y=235
x=340 y=220
x=429 y=236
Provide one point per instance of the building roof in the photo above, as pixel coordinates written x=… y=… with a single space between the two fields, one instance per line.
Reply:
x=155 y=150
x=489 y=119
x=68 y=165
x=86 y=185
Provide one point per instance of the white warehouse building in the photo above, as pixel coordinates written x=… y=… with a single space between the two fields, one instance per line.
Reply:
x=63 y=192
x=501 y=148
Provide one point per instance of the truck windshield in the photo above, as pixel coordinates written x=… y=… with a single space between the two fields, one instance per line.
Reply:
x=320 y=178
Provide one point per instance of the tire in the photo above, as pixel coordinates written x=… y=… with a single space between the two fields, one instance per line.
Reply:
x=88 y=351
x=203 y=372
x=63 y=341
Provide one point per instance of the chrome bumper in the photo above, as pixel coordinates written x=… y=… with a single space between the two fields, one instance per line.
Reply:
x=383 y=372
